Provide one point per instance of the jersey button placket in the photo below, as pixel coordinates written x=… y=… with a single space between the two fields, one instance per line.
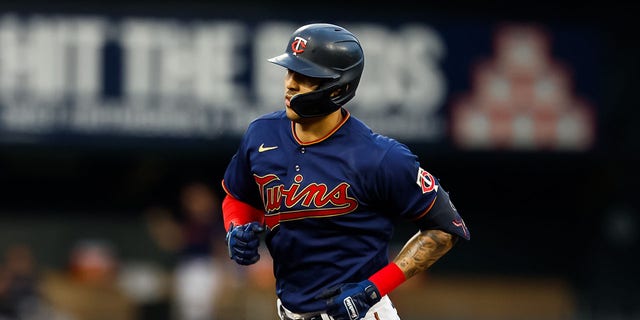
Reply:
x=302 y=151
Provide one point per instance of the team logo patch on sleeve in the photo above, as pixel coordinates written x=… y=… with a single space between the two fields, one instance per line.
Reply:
x=426 y=181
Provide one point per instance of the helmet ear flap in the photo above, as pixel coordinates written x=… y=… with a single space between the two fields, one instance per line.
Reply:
x=315 y=103
x=337 y=92
x=348 y=91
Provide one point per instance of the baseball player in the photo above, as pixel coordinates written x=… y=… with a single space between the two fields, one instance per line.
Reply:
x=327 y=192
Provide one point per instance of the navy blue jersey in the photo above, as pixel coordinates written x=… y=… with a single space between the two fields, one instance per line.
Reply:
x=330 y=204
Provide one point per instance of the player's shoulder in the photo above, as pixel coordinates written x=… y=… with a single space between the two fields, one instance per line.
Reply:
x=394 y=149
x=375 y=138
x=378 y=145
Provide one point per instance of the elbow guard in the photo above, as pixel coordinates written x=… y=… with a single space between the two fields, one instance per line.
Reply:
x=444 y=216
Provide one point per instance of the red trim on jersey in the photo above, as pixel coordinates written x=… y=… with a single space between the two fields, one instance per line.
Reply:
x=315 y=213
x=239 y=213
x=388 y=278
x=347 y=115
x=272 y=220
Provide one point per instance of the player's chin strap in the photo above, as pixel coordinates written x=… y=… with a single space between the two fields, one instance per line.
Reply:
x=315 y=103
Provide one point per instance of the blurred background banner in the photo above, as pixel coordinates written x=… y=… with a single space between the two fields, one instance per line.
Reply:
x=82 y=77
x=117 y=122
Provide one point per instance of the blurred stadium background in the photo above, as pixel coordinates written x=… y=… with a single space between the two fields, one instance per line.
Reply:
x=113 y=117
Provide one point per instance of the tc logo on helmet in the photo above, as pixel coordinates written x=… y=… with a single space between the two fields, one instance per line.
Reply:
x=298 y=45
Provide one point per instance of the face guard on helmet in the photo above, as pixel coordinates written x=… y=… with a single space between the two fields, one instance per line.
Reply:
x=325 y=51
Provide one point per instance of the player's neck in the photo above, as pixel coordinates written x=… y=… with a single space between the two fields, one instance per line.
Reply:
x=312 y=129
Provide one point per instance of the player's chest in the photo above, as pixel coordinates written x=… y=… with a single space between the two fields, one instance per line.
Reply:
x=305 y=177
x=298 y=165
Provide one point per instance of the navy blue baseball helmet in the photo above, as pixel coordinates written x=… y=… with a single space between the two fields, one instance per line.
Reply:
x=326 y=51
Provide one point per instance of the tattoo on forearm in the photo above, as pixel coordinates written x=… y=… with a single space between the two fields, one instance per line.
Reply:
x=423 y=250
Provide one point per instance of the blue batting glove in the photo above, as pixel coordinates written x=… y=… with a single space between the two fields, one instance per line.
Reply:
x=243 y=242
x=350 y=301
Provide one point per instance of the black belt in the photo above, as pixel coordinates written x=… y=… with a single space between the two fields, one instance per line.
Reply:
x=284 y=316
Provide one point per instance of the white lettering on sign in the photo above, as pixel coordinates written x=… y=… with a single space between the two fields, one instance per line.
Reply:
x=197 y=61
x=195 y=78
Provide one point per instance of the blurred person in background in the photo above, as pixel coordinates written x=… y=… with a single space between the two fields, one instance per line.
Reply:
x=199 y=274
x=87 y=288
x=21 y=295
x=18 y=282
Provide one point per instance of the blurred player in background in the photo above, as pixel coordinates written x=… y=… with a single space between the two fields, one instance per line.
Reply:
x=326 y=191
x=199 y=273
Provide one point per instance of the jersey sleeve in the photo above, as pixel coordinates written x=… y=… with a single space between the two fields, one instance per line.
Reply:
x=415 y=194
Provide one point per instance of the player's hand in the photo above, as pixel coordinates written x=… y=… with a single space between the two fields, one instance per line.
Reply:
x=243 y=242
x=350 y=301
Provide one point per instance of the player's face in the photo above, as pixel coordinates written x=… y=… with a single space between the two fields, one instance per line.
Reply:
x=295 y=83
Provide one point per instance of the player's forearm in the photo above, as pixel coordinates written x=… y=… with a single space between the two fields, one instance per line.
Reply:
x=423 y=250
x=236 y=212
